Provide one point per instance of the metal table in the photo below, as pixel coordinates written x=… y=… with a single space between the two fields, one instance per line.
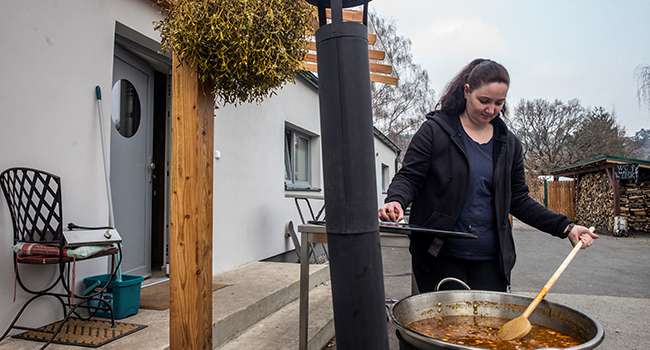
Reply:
x=390 y=235
x=307 y=197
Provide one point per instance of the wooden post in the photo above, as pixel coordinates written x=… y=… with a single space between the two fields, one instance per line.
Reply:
x=190 y=246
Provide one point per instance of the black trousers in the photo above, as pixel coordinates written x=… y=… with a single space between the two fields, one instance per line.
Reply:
x=478 y=274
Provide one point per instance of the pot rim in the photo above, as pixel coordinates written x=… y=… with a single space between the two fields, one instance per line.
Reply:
x=594 y=342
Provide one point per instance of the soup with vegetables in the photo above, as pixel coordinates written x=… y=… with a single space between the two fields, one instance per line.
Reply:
x=481 y=332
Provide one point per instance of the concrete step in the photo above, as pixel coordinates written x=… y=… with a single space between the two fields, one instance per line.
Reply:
x=280 y=330
x=255 y=291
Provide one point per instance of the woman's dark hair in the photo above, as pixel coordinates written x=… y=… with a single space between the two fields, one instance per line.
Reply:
x=477 y=73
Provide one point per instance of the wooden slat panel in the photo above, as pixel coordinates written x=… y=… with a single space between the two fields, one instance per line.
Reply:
x=383 y=79
x=310 y=67
x=374 y=67
x=372 y=54
x=376 y=55
x=372 y=38
x=311 y=57
x=377 y=78
x=561 y=198
x=381 y=68
x=348 y=15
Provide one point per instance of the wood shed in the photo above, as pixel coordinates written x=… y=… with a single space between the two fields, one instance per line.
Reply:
x=610 y=193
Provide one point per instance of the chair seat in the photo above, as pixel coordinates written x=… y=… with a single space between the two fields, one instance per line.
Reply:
x=52 y=259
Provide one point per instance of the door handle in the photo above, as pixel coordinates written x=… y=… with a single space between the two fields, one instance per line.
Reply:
x=152 y=166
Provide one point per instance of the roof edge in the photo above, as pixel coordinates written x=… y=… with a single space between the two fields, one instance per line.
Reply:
x=386 y=140
x=310 y=77
x=605 y=158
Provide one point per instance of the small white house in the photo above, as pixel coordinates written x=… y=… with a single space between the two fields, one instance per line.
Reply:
x=54 y=56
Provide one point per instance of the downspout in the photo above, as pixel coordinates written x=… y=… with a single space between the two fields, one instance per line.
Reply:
x=399 y=154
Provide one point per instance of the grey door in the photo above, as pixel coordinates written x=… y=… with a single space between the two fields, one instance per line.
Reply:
x=130 y=158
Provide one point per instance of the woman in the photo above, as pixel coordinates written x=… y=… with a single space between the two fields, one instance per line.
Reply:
x=464 y=171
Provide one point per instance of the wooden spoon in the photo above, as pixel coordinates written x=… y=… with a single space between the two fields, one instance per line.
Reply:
x=517 y=328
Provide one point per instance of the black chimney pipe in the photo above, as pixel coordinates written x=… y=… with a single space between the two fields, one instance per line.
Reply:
x=350 y=179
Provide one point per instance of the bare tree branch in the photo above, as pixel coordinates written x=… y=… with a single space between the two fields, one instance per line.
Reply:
x=556 y=134
x=544 y=129
x=642 y=74
x=400 y=110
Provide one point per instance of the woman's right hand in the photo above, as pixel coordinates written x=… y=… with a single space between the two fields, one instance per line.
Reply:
x=391 y=211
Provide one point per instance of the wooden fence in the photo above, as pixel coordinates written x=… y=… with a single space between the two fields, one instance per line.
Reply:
x=561 y=198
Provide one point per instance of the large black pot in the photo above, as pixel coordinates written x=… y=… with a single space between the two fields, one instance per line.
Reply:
x=490 y=304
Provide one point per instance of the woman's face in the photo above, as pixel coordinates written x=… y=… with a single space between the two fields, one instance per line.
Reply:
x=485 y=103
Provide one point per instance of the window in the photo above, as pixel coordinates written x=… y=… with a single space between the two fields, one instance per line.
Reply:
x=125 y=108
x=385 y=177
x=297 y=160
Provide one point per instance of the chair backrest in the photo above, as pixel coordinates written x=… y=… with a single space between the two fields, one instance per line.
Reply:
x=34 y=200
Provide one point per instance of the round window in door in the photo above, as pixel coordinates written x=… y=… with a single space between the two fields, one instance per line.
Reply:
x=125 y=108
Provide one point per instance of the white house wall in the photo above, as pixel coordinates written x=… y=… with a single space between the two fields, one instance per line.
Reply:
x=383 y=155
x=54 y=53
x=250 y=208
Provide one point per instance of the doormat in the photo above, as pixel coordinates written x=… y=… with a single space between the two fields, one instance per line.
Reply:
x=156 y=297
x=88 y=333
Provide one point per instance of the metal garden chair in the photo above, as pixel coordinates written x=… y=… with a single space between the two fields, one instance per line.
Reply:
x=34 y=200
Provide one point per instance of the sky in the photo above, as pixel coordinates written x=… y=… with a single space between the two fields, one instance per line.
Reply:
x=552 y=49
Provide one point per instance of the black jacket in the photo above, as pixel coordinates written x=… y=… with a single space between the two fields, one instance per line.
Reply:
x=434 y=178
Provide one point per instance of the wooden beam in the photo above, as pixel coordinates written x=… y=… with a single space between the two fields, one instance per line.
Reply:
x=372 y=54
x=190 y=248
x=348 y=15
x=374 y=67
x=372 y=38
x=377 y=78
x=376 y=55
x=311 y=57
x=381 y=68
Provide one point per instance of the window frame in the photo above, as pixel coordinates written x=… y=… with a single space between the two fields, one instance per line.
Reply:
x=290 y=136
x=385 y=177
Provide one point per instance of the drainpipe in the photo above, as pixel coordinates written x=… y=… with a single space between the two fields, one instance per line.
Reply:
x=399 y=154
x=349 y=178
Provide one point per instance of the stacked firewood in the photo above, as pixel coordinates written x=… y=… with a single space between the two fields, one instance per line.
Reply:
x=635 y=203
x=594 y=202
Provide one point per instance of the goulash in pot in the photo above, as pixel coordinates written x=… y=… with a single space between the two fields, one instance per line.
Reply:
x=481 y=332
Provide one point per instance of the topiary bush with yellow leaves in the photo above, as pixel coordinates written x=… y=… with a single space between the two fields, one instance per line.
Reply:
x=248 y=48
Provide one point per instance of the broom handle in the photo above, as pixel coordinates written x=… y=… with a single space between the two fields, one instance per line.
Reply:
x=111 y=218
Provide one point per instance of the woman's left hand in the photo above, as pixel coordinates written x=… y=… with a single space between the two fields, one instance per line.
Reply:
x=581 y=233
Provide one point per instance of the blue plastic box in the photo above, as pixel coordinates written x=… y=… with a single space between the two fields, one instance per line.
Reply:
x=123 y=296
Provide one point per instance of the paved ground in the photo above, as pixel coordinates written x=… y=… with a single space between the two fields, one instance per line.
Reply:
x=608 y=281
